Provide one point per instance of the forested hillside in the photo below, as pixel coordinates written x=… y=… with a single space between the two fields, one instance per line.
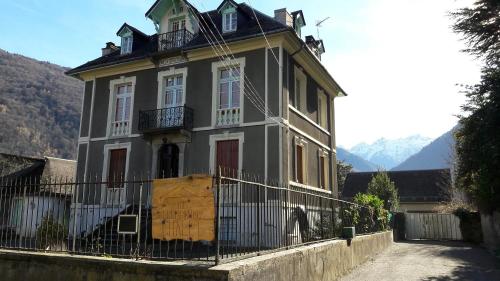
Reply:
x=39 y=108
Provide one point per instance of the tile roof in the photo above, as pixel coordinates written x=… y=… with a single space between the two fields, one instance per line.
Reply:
x=412 y=186
x=247 y=28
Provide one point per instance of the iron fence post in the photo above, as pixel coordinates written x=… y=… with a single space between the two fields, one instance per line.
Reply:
x=74 y=216
x=217 y=222
x=139 y=222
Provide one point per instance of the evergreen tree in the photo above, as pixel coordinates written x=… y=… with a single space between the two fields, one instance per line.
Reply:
x=478 y=136
x=382 y=187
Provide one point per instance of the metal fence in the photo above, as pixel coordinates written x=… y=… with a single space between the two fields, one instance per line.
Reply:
x=114 y=218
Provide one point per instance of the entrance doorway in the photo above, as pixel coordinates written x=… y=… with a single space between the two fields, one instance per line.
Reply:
x=168 y=161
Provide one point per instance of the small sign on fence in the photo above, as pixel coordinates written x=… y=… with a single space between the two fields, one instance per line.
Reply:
x=183 y=208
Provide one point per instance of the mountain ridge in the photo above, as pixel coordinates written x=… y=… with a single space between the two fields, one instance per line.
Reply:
x=388 y=153
x=438 y=154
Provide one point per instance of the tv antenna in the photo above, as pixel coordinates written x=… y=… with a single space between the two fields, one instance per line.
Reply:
x=319 y=23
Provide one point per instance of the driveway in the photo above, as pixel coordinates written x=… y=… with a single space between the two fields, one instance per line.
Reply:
x=429 y=261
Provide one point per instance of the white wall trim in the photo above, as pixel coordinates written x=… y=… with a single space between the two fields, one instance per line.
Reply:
x=249 y=124
x=308 y=119
x=280 y=108
x=172 y=71
x=240 y=62
x=112 y=86
x=294 y=183
x=90 y=128
x=226 y=136
x=311 y=138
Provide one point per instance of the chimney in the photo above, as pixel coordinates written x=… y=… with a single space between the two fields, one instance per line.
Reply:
x=110 y=47
x=283 y=16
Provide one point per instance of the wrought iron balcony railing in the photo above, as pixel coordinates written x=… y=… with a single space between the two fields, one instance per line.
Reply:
x=173 y=40
x=170 y=118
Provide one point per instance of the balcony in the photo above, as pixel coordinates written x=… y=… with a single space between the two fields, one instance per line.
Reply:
x=173 y=40
x=166 y=119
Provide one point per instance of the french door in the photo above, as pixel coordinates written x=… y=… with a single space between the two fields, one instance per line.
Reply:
x=115 y=189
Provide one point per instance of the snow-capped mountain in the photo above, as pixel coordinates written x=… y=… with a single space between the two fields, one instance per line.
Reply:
x=388 y=153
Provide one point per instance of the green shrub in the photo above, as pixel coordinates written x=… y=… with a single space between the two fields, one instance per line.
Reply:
x=368 y=216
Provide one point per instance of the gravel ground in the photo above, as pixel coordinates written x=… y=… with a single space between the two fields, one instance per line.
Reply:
x=429 y=261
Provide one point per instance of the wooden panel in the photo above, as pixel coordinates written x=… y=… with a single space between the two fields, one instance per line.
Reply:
x=183 y=208
x=117 y=163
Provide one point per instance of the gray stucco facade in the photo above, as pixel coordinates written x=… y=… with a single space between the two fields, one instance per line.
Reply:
x=268 y=146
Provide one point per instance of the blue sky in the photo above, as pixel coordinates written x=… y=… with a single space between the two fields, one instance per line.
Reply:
x=397 y=59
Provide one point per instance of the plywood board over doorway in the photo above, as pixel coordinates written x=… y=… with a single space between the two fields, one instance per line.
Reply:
x=183 y=208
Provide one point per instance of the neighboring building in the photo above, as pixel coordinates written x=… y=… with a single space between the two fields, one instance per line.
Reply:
x=168 y=104
x=25 y=198
x=419 y=190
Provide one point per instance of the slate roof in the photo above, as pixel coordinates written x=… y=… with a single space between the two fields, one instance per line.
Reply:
x=247 y=28
x=412 y=186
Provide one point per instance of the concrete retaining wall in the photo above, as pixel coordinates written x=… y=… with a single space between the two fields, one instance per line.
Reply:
x=490 y=225
x=322 y=261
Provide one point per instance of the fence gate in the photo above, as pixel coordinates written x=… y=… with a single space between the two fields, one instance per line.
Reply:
x=432 y=226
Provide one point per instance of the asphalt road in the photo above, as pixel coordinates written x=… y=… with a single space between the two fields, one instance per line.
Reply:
x=429 y=261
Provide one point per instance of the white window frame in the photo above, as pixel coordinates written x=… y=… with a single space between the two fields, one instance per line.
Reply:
x=230 y=13
x=322 y=109
x=129 y=216
x=298 y=141
x=112 y=104
x=126 y=44
x=300 y=97
x=323 y=155
x=213 y=139
x=162 y=75
x=105 y=166
x=216 y=67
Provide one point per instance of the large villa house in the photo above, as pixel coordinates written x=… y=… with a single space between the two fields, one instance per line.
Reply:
x=230 y=87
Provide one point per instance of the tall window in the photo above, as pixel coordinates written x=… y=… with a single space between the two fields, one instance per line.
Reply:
x=323 y=170
x=300 y=89
x=297 y=93
x=229 y=88
x=173 y=93
x=300 y=161
x=121 y=120
x=126 y=47
x=178 y=25
x=229 y=21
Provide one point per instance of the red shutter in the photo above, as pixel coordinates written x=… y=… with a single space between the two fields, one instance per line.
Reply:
x=117 y=162
x=227 y=155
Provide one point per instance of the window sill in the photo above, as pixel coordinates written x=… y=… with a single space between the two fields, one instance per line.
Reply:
x=309 y=187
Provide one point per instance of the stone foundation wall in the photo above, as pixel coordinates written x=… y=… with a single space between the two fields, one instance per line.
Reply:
x=321 y=261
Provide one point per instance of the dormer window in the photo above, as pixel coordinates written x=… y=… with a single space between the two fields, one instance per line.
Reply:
x=126 y=47
x=229 y=20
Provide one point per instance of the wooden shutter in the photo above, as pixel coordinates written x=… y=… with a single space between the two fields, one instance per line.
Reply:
x=117 y=163
x=227 y=155
x=322 y=171
x=300 y=163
